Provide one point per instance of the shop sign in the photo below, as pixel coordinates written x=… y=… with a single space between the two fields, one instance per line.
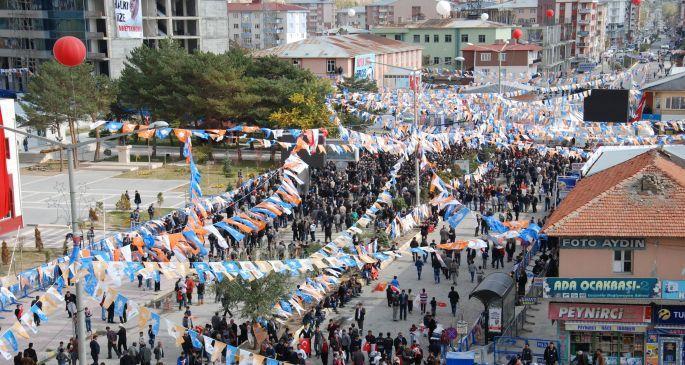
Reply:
x=603 y=243
x=529 y=300
x=601 y=288
x=462 y=328
x=605 y=327
x=600 y=312
x=669 y=314
x=495 y=319
x=673 y=289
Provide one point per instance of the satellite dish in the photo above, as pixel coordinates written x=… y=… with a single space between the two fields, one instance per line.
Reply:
x=351 y=12
x=484 y=17
x=443 y=8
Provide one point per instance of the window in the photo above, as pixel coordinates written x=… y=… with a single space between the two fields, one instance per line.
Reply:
x=256 y=36
x=503 y=56
x=398 y=37
x=448 y=38
x=427 y=38
x=436 y=60
x=675 y=102
x=297 y=62
x=464 y=37
x=448 y=60
x=256 y=26
x=623 y=261
x=330 y=66
x=481 y=38
x=236 y=15
x=235 y=37
x=485 y=56
x=235 y=26
x=417 y=38
x=436 y=38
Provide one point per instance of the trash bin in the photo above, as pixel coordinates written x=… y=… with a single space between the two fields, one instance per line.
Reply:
x=461 y=358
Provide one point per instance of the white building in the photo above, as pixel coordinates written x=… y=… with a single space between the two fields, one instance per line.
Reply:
x=616 y=28
x=259 y=25
x=13 y=220
x=321 y=15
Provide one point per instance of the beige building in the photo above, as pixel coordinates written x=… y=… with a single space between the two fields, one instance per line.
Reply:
x=519 y=12
x=395 y=12
x=583 y=18
x=665 y=97
x=362 y=55
x=320 y=15
x=260 y=25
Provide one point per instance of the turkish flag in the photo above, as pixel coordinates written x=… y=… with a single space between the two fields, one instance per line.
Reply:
x=305 y=345
x=5 y=191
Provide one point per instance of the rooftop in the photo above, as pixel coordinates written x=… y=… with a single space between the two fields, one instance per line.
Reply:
x=502 y=47
x=339 y=46
x=641 y=197
x=311 y=1
x=357 y=10
x=675 y=82
x=451 y=23
x=259 y=6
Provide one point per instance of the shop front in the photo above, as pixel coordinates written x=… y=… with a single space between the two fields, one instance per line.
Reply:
x=666 y=340
x=618 y=330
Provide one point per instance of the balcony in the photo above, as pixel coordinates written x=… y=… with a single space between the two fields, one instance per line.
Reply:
x=583 y=33
x=584 y=11
x=95 y=35
x=583 y=21
x=96 y=56
x=94 y=14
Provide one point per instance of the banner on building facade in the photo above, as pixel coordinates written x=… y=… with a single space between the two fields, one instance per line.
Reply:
x=603 y=243
x=129 y=18
x=601 y=288
x=364 y=66
x=591 y=312
x=673 y=289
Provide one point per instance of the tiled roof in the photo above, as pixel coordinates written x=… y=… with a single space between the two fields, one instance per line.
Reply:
x=618 y=202
x=448 y=23
x=239 y=7
x=675 y=82
x=498 y=47
x=339 y=46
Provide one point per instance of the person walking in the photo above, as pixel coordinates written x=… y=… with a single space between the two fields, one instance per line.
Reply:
x=434 y=306
x=359 y=314
x=145 y=355
x=419 y=267
x=111 y=342
x=454 y=270
x=551 y=354
x=454 y=300
x=94 y=349
x=395 y=305
x=404 y=300
x=526 y=355
x=121 y=343
x=472 y=270
x=137 y=200
x=423 y=300
x=159 y=352
x=410 y=301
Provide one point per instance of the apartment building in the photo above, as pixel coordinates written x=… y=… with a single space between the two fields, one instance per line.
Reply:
x=320 y=15
x=357 y=20
x=259 y=25
x=32 y=27
x=396 y=12
x=616 y=29
x=519 y=12
x=442 y=40
x=557 y=48
x=509 y=59
x=583 y=19
x=620 y=252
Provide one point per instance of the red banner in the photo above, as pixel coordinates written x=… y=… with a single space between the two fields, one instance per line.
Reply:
x=590 y=312
x=5 y=186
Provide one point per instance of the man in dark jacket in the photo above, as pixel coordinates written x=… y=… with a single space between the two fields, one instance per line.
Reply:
x=31 y=353
x=94 y=349
x=526 y=355
x=551 y=354
x=454 y=300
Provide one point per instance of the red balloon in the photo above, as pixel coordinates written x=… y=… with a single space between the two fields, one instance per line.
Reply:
x=636 y=2
x=69 y=51
x=550 y=13
x=517 y=33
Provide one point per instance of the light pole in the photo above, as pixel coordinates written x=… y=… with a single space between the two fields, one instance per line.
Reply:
x=70 y=148
x=416 y=88
x=499 y=60
x=461 y=60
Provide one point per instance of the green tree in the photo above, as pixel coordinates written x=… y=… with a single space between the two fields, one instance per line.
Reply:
x=354 y=85
x=57 y=95
x=257 y=296
x=306 y=113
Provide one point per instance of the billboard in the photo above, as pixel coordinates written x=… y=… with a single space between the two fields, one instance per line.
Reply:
x=595 y=106
x=604 y=288
x=364 y=66
x=129 y=18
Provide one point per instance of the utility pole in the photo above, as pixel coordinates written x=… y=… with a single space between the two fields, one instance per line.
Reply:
x=417 y=88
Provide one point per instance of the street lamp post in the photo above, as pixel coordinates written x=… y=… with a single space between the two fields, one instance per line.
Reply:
x=416 y=73
x=70 y=149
